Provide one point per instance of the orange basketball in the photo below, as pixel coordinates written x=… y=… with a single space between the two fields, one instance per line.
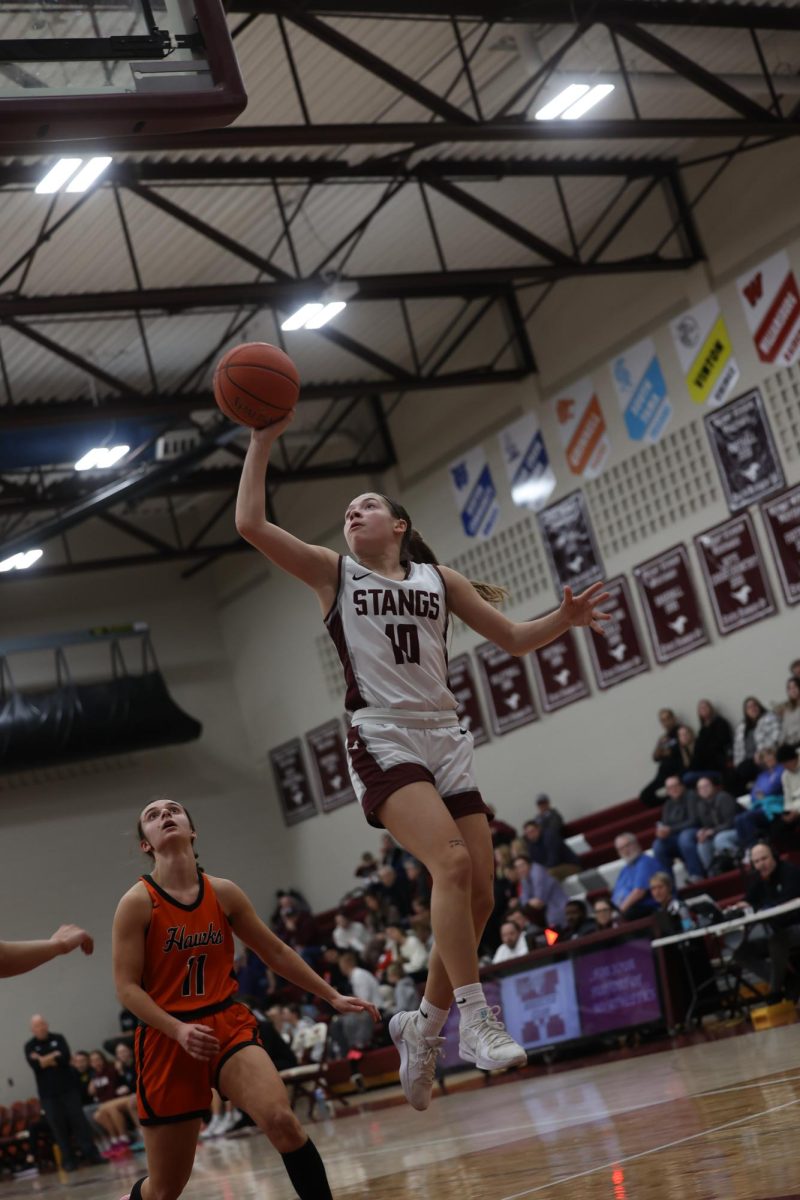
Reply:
x=256 y=384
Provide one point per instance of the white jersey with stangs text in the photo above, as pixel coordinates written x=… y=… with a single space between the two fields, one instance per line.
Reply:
x=390 y=635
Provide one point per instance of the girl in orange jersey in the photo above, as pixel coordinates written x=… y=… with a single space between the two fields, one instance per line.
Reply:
x=173 y=968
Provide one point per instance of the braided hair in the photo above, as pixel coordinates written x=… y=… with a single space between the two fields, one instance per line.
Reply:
x=413 y=548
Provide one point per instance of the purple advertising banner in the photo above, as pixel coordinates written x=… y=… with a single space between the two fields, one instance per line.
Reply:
x=462 y=685
x=539 y=1005
x=734 y=573
x=744 y=450
x=782 y=519
x=569 y=540
x=329 y=759
x=617 y=654
x=671 y=607
x=292 y=782
x=617 y=987
x=508 y=689
x=559 y=673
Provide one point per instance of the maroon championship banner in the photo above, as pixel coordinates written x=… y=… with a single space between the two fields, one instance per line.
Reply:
x=782 y=519
x=462 y=685
x=744 y=451
x=569 y=540
x=671 y=606
x=508 y=689
x=329 y=759
x=734 y=573
x=559 y=673
x=619 y=655
x=292 y=782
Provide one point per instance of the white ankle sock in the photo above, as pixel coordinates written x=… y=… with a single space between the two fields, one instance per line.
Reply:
x=430 y=1019
x=470 y=1000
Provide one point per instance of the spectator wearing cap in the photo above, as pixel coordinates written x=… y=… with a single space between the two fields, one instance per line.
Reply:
x=547 y=816
x=539 y=893
x=547 y=847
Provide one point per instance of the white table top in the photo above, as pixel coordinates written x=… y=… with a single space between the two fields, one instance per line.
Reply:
x=764 y=914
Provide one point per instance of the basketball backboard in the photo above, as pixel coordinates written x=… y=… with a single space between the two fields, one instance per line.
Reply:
x=95 y=68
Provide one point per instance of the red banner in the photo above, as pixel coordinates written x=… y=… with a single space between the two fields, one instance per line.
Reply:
x=329 y=759
x=782 y=518
x=292 y=782
x=618 y=653
x=671 y=607
x=462 y=685
x=734 y=573
x=559 y=673
x=508 y=689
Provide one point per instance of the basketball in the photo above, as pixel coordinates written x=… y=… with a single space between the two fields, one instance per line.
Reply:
x=256 y=384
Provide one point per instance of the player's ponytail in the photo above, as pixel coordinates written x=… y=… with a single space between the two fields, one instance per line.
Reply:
x=413 y=548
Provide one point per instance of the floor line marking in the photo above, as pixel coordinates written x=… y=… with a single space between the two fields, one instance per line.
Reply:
x=618 y=1162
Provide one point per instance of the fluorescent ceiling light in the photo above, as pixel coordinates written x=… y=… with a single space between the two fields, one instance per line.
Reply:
x=101 y=457
x=562 y=101
x=57 y=176
x=328 y=312
x=598 y=93
x=313 y=316
x=88 y=174
x=21 y=561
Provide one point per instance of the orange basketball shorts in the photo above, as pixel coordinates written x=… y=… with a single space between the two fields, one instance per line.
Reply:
x=173 y=1086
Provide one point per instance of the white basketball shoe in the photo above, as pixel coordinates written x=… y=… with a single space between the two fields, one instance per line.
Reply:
x=484 y=1041
x=418 y=1057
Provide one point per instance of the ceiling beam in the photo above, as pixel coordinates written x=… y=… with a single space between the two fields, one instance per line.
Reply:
x=416 y=134
x=533 y=12
x=181 y=407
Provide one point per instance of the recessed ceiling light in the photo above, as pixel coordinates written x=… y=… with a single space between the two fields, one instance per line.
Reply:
x=597 y=93
x=313 y=316
x=101 y=458
x=562 y=101
x=21 y=561
x=88 y=174
x=57 y=176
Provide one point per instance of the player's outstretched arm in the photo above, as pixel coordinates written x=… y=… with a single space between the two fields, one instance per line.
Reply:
x=249 y=928
x=18 y=957
x=127 y=949
x=520 y=637
x=316 y=566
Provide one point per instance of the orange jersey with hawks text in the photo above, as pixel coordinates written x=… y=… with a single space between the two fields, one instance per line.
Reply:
x=188 y=951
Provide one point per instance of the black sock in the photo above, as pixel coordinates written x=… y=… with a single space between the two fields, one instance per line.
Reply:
x=136 y=1190
x=306 y=1170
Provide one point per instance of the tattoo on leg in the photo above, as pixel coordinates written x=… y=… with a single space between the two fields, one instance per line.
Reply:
x=456 y=842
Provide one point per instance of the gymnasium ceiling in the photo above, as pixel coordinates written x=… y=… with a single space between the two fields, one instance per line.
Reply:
x=387 y=147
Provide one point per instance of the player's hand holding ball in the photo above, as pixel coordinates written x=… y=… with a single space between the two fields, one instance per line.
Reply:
x=68 y=937
x=352 y=1004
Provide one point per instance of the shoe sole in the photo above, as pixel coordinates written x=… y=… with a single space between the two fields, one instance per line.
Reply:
x=487 y=1064
x=396 y=1034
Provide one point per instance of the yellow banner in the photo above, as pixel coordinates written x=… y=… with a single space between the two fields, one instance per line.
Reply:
x=710 y=362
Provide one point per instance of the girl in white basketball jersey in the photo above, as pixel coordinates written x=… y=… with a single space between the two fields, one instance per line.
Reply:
x=386 y=606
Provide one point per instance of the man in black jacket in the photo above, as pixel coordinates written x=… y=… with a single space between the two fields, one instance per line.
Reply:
x=774 y=882
x=60 y=1093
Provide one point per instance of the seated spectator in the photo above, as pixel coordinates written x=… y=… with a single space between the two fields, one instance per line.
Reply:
x=540 y=895
x=394 y=887
x=83 y=1069
x=328 y=967
x=505 y=890
x=766 y=800
x=390 y=854
x=789 y=759
x=300 y=932
x=380 y=910
x=349 y=935
x=108 y=1115
x=790 y=714
x=773 y=882
x=513 y=943
x=717 y=839
x=686 y=745
x=577 y=922
x=666 y=754
x=350 y=1031
x=367 y=868
x=673 y=912
x=712 y=746
x=404 y=993
x=604 y=915
x=758 y=728
x=547 y=816
x=502 y=834
x=631 y=895
x=409 y=951
x=676 y=832
x=306 y=1037
x=419 y=882
x=547 y=848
